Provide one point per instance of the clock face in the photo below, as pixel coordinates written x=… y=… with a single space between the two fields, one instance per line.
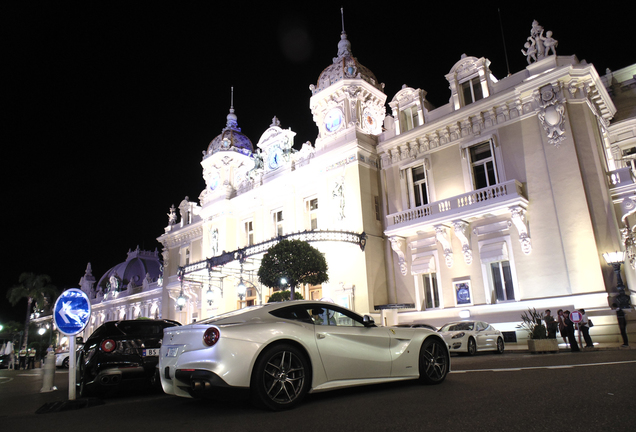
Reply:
x=214 y=180
x=333 y=120
x=275 y=158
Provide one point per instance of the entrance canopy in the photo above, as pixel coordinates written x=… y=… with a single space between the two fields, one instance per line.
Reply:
x=215 y=267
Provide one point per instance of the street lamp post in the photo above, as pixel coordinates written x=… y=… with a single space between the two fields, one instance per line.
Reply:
x=615 y=259
x=241 y=289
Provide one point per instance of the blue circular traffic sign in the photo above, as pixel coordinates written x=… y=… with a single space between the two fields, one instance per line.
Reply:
x=72 y=311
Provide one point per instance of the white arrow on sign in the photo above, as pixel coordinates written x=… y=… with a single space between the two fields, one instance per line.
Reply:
x=66 y=312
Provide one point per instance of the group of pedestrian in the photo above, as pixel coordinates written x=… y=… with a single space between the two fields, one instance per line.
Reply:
x=566 y=327
x=26 y=358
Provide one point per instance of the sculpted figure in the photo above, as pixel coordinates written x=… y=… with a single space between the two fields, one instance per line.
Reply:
x=549 y=43
x=172 y=216
x=531 y=51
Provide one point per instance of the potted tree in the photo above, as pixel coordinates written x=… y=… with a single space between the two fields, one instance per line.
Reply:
x=538 y=341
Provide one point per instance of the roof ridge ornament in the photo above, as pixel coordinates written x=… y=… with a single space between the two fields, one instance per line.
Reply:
x=232 y=120
x=344 y=46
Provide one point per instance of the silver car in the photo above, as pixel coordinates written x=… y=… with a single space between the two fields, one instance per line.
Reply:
x=279 y=352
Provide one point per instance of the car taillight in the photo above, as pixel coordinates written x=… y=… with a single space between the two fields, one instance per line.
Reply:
x=211 y=336
x=108 y=345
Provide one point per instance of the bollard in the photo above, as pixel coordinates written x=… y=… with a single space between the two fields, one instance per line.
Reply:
x=49 y=373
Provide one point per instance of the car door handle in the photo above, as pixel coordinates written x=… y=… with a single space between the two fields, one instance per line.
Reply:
x=321 y=336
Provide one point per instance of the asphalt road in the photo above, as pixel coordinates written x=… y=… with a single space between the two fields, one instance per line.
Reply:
x=587 y=391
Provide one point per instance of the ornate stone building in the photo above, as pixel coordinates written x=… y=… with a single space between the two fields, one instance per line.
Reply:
x=255 y=195
x=503 y=199
x=507 y=197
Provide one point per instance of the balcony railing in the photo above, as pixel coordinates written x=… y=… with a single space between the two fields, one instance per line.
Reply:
x=482 y=199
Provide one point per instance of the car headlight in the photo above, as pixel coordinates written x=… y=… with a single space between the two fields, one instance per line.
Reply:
x=459 y=335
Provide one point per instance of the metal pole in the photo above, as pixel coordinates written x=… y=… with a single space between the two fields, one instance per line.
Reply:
x=71 y=368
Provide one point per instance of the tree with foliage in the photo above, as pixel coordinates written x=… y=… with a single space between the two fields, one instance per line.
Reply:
x=38 y=291
x=280 y=296
x=294 y=260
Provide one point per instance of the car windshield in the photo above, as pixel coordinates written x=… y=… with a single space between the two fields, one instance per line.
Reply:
x=458 y=326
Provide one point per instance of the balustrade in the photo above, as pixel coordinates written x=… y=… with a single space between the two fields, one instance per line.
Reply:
x=473 y=200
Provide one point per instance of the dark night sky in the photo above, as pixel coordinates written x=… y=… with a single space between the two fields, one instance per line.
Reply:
x=107 y=107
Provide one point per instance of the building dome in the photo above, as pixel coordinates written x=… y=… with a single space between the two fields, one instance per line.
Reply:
x=345 y=66
x=231 y=139
x=138 y=264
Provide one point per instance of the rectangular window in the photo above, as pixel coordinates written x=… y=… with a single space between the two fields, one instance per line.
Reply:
x=249 y=233
x=410 y=118
x=483 y=165
x=471 y=91
x=418 y=191
x=278 y=223
x=313 y=213
x=502 y=280
x=430 y=290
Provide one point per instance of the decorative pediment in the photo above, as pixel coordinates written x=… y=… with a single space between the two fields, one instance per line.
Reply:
x=467 y=66
x=276 y=136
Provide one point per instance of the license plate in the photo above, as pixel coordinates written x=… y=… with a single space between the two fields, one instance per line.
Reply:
x=149 y=352
x=172 y=352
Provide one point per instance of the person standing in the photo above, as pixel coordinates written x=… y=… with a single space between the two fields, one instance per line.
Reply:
x=550 y=325
x=584 y=327
x=569 y=331
x=11 y=355
x=22 y=355
x=31 y=358
x=622 y=323
x=562 y=328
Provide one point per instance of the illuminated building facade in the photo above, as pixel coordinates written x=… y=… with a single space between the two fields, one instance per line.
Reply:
x=503 y=199
x=255 y=195
x=507 y=197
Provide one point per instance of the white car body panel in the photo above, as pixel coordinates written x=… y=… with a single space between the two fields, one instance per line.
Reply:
x=339 y=356
x=59 y=358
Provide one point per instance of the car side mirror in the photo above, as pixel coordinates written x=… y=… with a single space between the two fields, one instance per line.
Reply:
x=368 y=321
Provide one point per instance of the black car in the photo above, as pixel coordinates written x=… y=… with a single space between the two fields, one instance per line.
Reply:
x=120 y=351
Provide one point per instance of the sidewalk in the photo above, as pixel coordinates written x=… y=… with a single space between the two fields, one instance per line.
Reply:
x=522 y=346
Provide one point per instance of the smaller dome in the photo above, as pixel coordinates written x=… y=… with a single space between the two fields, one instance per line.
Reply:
x=344 y=66
x=231 y=138
x=138 y=264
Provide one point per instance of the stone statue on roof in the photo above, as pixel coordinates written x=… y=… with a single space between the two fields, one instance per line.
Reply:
x=539 y=46
x=172 y=216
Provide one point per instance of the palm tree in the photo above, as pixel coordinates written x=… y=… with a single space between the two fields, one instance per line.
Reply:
x=35 y=288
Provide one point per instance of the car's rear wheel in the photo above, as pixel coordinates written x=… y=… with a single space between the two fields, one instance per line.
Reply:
x=82 y=390
x=472 y=347
x=500 y=346
x=281 y=377
x=434 y=361
x=65 y=363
